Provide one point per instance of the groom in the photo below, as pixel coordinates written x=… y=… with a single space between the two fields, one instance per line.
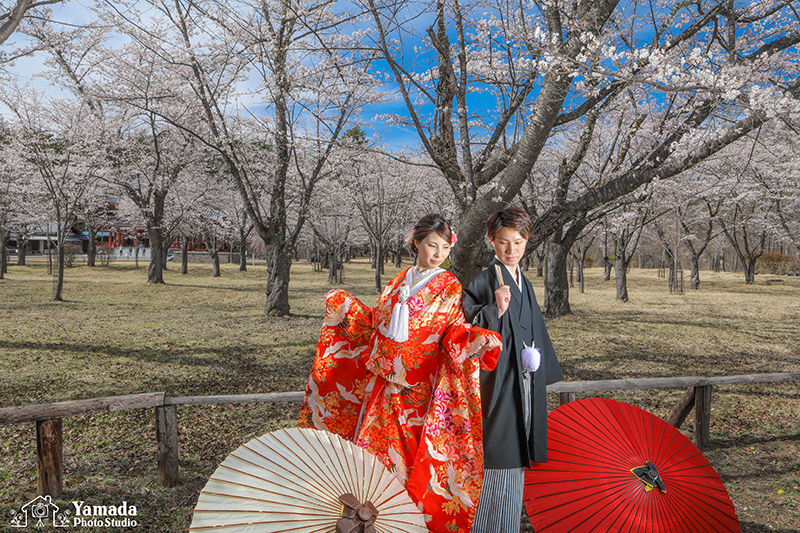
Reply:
x=513 y=396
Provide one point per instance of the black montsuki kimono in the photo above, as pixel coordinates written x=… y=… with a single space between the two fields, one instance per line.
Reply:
x=504 y=440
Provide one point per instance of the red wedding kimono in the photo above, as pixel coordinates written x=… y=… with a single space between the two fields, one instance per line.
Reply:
x=414 y=404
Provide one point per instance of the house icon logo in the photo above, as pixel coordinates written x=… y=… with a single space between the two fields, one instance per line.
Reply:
x=38 y=512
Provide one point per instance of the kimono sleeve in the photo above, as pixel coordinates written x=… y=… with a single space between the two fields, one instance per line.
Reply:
x=461 y=339
x=335 y=389
x=480 y=308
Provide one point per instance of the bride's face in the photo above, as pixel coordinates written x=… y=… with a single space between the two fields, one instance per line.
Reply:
x=433 y=250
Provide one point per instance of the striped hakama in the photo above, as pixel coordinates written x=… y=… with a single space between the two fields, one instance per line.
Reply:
x=500 y=506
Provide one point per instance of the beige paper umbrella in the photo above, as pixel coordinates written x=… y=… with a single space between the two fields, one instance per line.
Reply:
x=292 y=479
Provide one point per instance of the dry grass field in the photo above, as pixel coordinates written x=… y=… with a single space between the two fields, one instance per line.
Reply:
x=115 y=334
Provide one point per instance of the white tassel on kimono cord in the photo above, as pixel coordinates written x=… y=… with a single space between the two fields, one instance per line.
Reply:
x=398 y=324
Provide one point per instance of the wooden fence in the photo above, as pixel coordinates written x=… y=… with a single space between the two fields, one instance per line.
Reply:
x=49 y=437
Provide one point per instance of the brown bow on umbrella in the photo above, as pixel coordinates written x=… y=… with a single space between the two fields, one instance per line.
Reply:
x=356 y=517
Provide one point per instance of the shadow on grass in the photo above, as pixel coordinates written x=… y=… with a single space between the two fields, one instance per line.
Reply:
x=217 y=288
x=748 y=440
x=232 y=369
x=750 y=527
x=165 y=354
x=620 y=360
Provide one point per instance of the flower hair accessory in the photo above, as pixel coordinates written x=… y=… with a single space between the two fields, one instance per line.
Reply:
x=453 y=237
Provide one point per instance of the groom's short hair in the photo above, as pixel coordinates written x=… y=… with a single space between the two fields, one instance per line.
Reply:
x=511 y=217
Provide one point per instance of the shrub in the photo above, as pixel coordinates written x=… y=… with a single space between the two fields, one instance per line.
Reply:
x=777 y=264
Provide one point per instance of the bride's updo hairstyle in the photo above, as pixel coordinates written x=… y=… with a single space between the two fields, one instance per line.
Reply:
x=428 y=224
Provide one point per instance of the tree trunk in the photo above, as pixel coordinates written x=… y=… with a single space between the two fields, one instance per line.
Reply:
x=155 y=272
x=673 y=276
x=607 y=264
x=278 y=283
x=539 y=255
x=91 y=252
x=166 y=242
x=398 y=263
x=22 y=250
x=3 y=251
x=556 y=281
x=378 y=267
x=57 y=297
x=695 y=276
x=184 y=254
x=243 y=257
x=620 y=271
x=750 y=271
x=333 y=263
x=571 y=262
x=215 y=262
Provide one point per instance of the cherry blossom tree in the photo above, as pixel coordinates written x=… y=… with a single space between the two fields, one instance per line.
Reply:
x=693 y=201
x=750 y=215
x=582 y=160
x=626 y=227
x=95 y=214
x=333 y=220
x=18 y=215
x=12 y=13
x=243 y=232
x=215 y=215
x=58 y=139
x=744 y=223
x=776 y=167
x=383 y=191
x=6 y=203
x=313 y=77
x=148 y=158
x=703 y=74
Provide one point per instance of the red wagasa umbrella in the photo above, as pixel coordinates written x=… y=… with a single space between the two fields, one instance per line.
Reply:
x=615 y=467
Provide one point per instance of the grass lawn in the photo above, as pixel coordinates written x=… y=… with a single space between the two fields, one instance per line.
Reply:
x=115 y=334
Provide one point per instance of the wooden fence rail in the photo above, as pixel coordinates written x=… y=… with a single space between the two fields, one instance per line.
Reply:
x=48 y=417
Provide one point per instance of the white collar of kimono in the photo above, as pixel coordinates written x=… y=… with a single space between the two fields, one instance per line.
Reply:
x=515 y=276
x=398 y=323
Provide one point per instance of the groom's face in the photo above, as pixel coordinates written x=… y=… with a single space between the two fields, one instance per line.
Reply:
x=509 y=246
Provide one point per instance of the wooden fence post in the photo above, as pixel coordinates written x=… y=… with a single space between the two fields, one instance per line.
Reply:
x=167 y=442
x=566 y=397
x=49 y=439
x=702 y=415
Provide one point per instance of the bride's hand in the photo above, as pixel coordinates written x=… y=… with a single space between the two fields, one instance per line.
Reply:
x=489 y=343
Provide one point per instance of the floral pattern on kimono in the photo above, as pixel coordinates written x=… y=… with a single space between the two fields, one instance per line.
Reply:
x=414 y=404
